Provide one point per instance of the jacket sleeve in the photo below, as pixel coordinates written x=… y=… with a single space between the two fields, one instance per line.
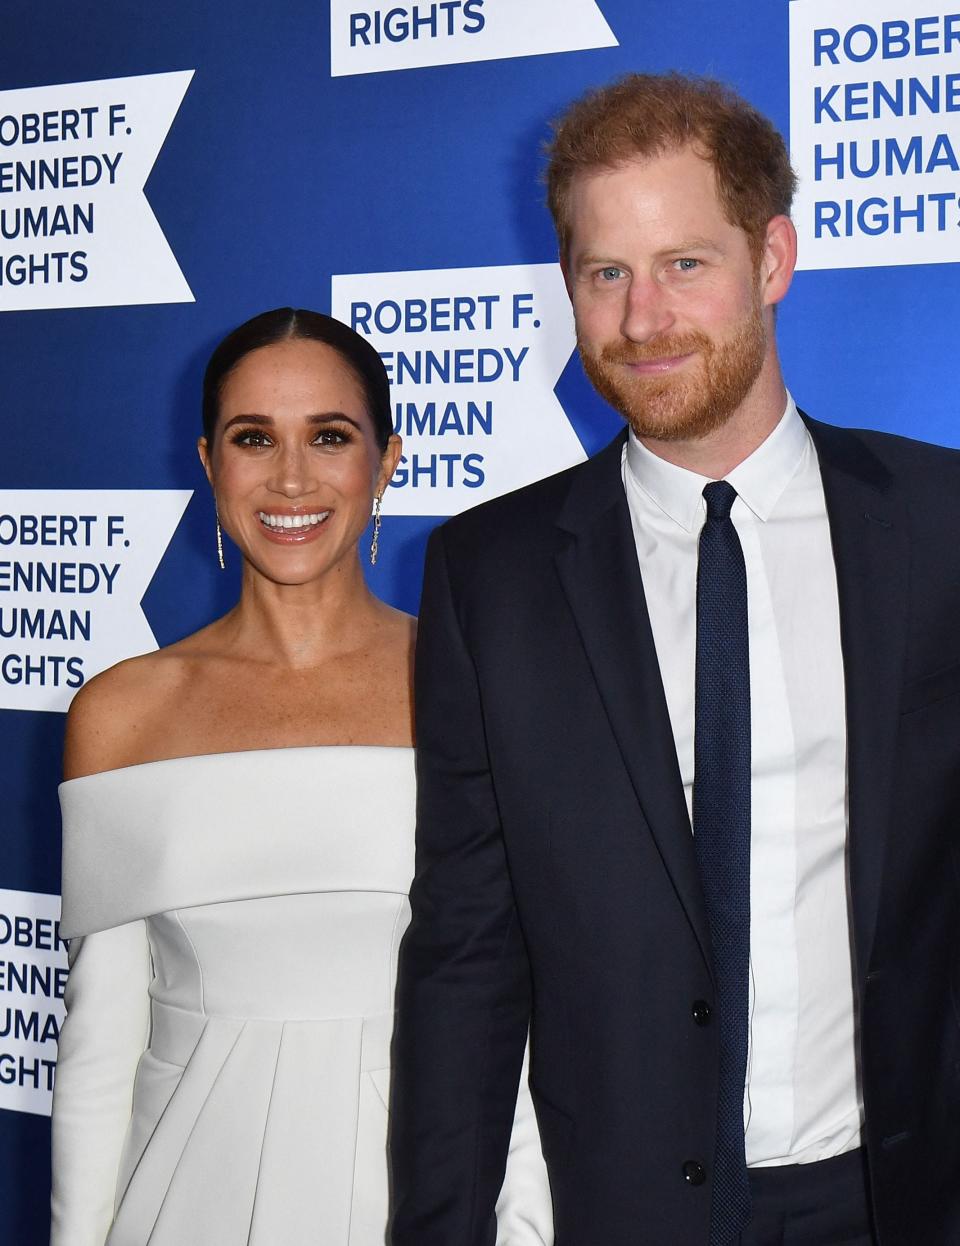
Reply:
x=101 y=1041
x=524 y=1208
x=464 y=980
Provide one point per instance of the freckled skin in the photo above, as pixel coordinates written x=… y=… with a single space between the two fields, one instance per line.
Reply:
x=308 y=655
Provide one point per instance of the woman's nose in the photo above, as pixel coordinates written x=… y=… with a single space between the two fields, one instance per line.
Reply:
x=292 y=476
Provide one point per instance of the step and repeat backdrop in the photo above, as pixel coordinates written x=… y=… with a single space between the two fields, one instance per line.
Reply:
x=168 y=171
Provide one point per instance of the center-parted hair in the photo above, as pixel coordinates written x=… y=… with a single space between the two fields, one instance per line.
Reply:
x=288 y=324
x=644 y=115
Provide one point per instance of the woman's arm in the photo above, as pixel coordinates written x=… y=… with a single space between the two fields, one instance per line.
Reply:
x=103 y=1037
x=107 y=997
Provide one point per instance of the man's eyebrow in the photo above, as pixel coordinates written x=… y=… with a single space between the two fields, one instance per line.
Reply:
x=585 y=261
x=690 y=244
x=675 y=248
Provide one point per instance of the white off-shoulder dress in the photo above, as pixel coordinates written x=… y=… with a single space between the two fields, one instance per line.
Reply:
x=223 y=1073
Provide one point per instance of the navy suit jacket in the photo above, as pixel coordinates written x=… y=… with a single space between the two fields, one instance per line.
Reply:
x=556 y=882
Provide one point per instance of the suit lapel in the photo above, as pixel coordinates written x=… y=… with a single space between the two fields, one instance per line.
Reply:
x=598 y=570
x=871 y=552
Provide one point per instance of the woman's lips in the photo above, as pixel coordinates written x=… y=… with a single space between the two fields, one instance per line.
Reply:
x=293 y=527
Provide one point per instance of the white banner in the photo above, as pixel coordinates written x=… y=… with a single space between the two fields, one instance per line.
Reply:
x=370 y=38
x=74 y=565
x=473 y=356
x=76 y=229
x=875 y=131
x=33 y=975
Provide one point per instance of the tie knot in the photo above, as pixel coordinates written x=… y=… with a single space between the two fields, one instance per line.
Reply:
x=719 y=496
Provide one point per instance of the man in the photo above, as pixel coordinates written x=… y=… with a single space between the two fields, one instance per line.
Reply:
x=689 y=761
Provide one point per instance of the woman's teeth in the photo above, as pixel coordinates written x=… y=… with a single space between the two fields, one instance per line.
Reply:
x=278 y=522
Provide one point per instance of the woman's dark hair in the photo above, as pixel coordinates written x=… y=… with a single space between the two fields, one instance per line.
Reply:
x=285 y=324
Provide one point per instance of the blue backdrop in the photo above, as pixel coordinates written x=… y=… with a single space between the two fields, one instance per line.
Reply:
x=278 y=175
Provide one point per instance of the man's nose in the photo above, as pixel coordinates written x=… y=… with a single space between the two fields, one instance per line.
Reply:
x=648 y=310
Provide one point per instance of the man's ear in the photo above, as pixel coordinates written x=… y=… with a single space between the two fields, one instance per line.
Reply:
x=779 y=260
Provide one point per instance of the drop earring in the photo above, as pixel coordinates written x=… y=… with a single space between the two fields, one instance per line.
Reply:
x=375 y=540
x=223 y=565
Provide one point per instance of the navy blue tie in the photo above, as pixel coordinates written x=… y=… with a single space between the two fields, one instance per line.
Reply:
x=721 y=827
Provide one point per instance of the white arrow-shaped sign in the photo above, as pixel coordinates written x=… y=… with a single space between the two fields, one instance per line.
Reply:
x=77 y=230
x=369 y=38
x=74 y=566
x=473 y=356
x=32 y=993
x=875 y=132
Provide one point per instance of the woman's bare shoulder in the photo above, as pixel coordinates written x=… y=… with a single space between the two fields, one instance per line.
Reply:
x=111 y=712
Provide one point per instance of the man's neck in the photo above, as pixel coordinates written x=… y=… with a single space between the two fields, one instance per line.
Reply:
x=718 y=453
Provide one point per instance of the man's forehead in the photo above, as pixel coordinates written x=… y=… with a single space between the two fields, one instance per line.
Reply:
x=684 y=159
x=668 y=192
x=664 y=202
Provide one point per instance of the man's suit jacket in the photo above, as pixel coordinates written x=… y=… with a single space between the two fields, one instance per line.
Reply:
x=556 y=880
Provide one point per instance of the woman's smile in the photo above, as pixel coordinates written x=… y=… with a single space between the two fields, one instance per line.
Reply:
x=293 y=526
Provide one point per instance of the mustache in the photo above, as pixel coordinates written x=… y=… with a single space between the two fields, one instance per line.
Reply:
x=668 y=347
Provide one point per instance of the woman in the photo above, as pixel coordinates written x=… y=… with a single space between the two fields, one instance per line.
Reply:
x=238 y=842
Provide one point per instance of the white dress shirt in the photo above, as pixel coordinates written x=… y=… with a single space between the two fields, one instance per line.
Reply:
x=801 y=1100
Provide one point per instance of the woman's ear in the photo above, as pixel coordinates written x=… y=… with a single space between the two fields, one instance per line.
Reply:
x=388 y=462
x=203 y=449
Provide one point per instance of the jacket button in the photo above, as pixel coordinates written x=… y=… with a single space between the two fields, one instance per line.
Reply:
x=701 y=1012
x=694 y=1173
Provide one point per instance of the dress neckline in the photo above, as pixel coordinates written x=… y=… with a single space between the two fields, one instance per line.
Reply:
x=405 y=749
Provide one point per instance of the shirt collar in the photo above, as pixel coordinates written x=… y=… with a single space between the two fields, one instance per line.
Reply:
x=759 y=480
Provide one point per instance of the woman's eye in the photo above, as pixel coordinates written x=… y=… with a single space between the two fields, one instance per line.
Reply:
x=251 y=437
x=331 y=437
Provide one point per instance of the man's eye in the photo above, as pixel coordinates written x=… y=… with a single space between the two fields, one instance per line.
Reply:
x=687 y=265
x=611 y=273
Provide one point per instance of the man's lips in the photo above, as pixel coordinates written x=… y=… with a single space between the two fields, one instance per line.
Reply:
x=293 y=527
x=654 y=367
